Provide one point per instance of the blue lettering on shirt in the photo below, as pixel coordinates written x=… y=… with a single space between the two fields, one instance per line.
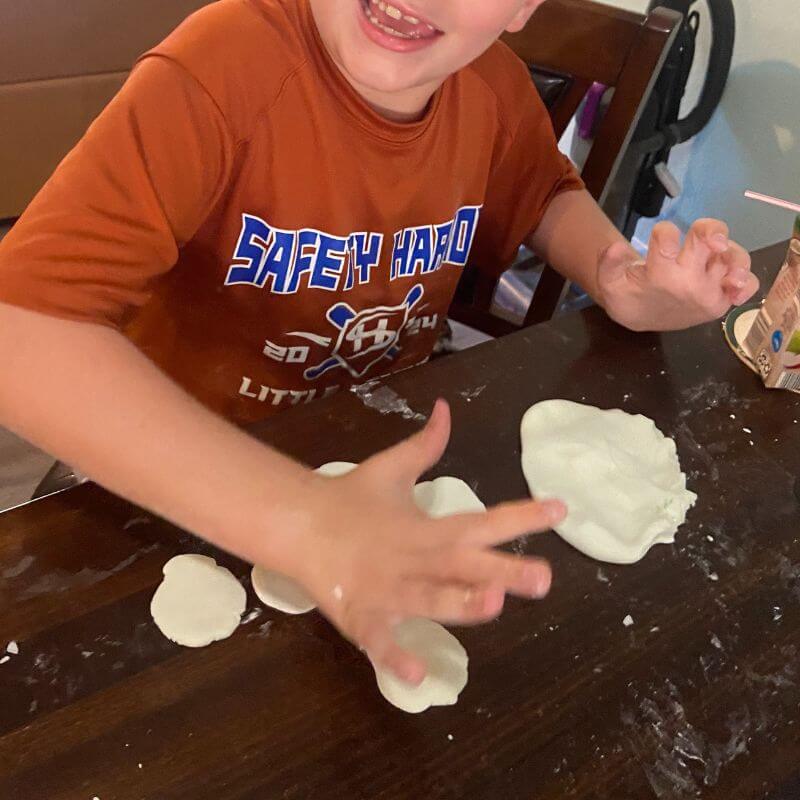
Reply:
x=464 y=227
x=422 y=252
x=401 y=253
x=307 y=243
x=250 y=248
x=329 y=263
x=365 y=255
x=278 y=261
x=286 y=261
x=443 y=233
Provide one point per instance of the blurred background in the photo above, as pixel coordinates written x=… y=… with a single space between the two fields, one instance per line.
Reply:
x=753 y=139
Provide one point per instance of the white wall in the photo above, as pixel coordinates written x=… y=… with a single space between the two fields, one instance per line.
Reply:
x=754 y=139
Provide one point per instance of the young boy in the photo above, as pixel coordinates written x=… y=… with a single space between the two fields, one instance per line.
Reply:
x=275 y=172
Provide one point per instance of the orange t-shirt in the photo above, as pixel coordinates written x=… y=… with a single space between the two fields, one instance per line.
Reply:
x=263 y=235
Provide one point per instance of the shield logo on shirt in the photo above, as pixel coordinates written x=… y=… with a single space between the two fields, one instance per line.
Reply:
x=365 y=337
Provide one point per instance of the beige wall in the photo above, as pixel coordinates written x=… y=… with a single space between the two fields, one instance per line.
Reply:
x=62 y=60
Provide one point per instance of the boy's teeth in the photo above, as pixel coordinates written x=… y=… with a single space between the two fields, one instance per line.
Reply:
x=396 y=13
x=393 y=12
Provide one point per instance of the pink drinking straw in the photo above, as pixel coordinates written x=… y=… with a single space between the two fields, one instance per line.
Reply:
x=773 y=201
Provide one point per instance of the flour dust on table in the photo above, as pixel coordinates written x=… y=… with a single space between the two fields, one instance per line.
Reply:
x=446 y=661
x=618 y=474
x=197 y=602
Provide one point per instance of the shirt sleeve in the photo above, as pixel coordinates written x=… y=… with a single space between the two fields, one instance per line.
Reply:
x=111 y=219
x=529 y=171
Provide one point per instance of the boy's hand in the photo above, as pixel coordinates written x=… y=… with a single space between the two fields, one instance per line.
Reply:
x=371 y=558
x=677 y=286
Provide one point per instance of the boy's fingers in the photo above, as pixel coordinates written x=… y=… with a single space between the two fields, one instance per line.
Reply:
x=419 y=452
x=741 y=296
x=523 y=576
x=385 y=653
x=665 y=247
x=707 y=237
x=453 y=604
x=738 y=264
x=736 y=257
x=508 y=521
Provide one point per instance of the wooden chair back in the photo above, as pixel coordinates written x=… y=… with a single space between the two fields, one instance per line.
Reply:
x=569 y=45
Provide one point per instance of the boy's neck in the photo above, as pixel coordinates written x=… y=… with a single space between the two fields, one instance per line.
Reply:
x=408 y=106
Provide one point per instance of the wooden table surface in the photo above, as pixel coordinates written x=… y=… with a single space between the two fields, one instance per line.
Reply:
x=700 y=697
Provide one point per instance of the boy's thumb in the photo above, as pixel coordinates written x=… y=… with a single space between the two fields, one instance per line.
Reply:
x=614 y=268
x=417 y=454
x=613 y=263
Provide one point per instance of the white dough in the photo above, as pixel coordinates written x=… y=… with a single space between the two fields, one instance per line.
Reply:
x=618 y=474
x=445 y=496
x=278 y=591
x=335 y=469
x=447 y=664
x=197 y=602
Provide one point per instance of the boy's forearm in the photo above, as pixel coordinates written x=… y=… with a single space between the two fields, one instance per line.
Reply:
x=571 y=236
x=86 y=395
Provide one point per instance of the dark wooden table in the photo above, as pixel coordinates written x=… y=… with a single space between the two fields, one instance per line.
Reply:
x=698 y=698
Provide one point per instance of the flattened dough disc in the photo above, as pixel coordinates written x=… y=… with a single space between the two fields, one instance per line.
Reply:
x=197 y=602
x=618 y=474
x=447 y=667
x=445 y=496
x=278 y=591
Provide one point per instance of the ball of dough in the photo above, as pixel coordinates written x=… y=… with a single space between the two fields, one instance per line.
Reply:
x=197 y=602
x=278 y=591
x=447 y=664
x=618 y=474
x=445 y=496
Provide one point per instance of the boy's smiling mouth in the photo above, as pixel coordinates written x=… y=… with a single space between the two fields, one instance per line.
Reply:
x=395 y=27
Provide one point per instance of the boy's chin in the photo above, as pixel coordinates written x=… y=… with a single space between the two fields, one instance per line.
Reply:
x=389 y=79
